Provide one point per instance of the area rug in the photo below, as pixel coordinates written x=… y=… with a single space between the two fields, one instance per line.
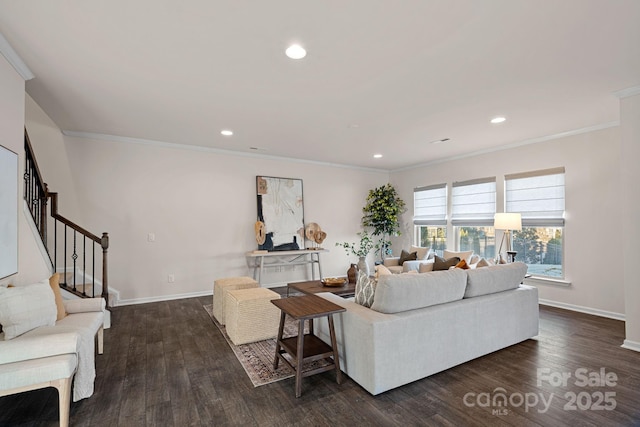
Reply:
x=257 y=358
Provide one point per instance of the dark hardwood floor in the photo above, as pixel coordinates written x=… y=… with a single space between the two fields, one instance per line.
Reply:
x=166 y=364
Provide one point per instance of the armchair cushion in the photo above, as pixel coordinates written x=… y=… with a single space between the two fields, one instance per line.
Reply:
x=85 y=305
x=23 y=308
x=35 y=347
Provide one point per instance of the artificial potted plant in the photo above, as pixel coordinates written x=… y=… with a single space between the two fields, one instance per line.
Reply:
x=382 y=213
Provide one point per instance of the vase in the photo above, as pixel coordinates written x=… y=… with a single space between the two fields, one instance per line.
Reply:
x=363 y=266
x=352 y=273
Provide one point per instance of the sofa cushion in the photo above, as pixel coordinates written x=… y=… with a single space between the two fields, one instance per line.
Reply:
x=444 y=264
x=406 y=256
x=495 y=278
x=425 y=267
x=421 y=253
x=482 y=263
x=23 y=308
x=465 y=255
x=404 y=292
x=366 y=289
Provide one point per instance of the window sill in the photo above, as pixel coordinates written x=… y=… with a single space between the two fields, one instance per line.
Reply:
x=533 y=280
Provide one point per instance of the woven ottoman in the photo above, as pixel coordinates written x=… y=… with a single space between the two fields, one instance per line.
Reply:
x=250 y=315
x=220 y=288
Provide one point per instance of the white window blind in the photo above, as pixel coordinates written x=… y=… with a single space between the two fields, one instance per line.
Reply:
x=473 y=202
x=430 y=205
x=538 y=196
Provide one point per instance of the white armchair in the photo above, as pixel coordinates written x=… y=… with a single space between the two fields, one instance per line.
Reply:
x=30 y=363
x=39 y=348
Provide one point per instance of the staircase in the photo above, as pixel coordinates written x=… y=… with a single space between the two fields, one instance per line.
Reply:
x=77 y=254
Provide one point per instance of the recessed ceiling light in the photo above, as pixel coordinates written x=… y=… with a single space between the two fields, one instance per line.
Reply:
x=497 y=120
x=377 y=156
x=354 y=125
x=295 y=51
x=226 y=132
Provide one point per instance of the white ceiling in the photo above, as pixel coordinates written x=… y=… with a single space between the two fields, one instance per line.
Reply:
x=380 y=76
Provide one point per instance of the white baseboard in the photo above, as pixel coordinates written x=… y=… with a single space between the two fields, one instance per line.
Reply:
x=631 y=345
x=146 y=300
x=581 y=309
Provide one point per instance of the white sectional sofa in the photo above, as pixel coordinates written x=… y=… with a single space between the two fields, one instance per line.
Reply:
x=421 y=324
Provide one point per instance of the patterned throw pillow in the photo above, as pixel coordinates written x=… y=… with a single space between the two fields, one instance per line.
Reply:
x=365 y=289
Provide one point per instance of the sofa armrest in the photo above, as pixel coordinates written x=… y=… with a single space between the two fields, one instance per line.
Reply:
x=393 y=261
x=84 y=305
x=34 y=347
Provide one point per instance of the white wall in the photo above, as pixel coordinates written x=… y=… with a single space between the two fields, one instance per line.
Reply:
x=592 y=168
x=630 y=214
x=51 y=154
x=31 y=266
x=201 y=206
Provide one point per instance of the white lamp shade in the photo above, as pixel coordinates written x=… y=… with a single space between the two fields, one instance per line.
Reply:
x=507 y=221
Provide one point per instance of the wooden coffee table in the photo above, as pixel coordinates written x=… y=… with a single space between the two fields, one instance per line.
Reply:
x=315 y=286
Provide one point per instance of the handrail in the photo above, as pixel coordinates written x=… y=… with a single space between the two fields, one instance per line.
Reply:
x=37 y=194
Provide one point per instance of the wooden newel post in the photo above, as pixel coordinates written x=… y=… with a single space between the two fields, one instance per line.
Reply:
x=105 y=281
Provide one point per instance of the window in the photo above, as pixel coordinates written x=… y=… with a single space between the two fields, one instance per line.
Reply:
x=539 y=197
x=430 y=217
x=472 y=211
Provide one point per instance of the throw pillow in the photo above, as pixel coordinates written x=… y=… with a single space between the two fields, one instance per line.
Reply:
x=425 y=267
x=381 y=270
x=24 y=308
x=482 y=263
x=406 y=256
x=444 y=264
x=421 y=253
x=463 y=265
x=54 y=282
x=365 y=290
x=465 y=255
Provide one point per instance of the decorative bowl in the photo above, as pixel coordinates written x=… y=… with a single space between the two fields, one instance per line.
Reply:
x=334 y=281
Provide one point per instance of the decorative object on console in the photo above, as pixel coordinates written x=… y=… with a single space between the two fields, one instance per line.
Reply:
x=507 y=221
x=259 y=229
x=382 y=213
x=281 y=209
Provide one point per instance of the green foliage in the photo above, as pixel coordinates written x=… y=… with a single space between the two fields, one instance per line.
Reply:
x=361 y=249
x=382 y=211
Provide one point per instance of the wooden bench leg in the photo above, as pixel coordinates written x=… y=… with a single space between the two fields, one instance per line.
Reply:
x=101 y=340
x=64 y=399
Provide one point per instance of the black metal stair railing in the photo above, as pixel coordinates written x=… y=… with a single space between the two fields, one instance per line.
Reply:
x=63 y=247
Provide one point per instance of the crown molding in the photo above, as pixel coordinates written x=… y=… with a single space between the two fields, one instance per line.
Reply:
x=14 y=59
x=630 y=91
x=130 y=140
x=512 y=145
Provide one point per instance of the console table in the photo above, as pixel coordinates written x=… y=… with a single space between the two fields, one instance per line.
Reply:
x=259 y=261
